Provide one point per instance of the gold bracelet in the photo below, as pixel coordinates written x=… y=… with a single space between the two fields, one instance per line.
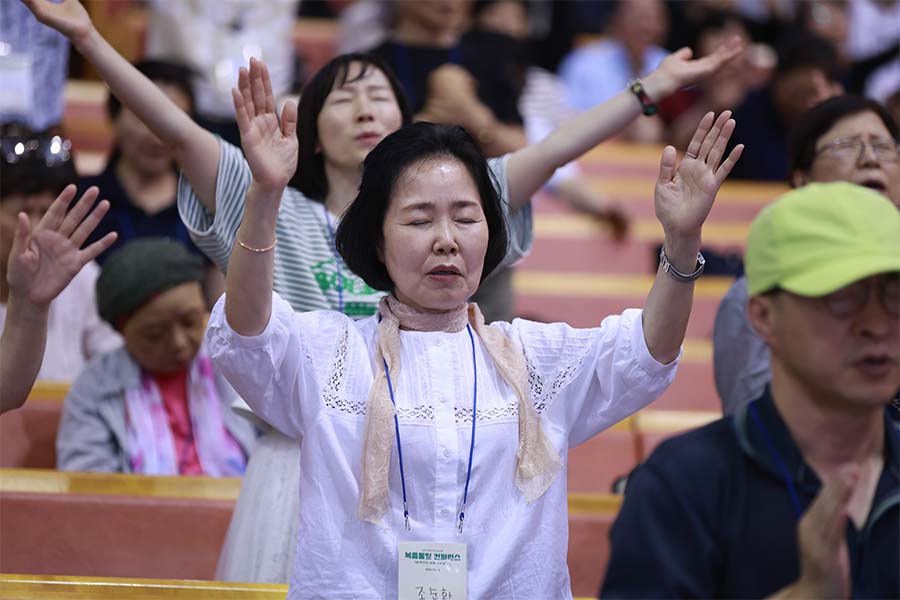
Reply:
x=257 y=250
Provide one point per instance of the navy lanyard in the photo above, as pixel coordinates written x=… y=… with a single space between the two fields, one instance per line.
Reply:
x=462 y=509
x=403 y=66
x=337 y=260
x=782 y=467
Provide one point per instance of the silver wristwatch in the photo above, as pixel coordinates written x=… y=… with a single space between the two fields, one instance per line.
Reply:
x=675 y=273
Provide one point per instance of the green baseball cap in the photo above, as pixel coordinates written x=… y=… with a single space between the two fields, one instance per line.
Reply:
x=819 y=238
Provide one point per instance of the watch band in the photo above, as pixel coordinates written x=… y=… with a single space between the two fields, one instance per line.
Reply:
x=648 y=106
x=675 y=273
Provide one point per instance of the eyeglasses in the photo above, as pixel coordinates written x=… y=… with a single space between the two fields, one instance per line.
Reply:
x=852 y=300
x=853 y=148
x=53 y=151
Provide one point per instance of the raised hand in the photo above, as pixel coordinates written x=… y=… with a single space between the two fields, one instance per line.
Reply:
x=68 y=17
x=678 y=70
x=685 y=191
x=270 y=147
x=44 y=261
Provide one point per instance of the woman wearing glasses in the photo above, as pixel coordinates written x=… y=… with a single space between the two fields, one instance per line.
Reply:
x=845 y=138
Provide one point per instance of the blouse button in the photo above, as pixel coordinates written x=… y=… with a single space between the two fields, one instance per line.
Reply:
x=447 y=453
x=444 y=512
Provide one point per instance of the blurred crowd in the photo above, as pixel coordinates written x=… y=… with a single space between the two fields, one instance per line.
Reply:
x=127 y=283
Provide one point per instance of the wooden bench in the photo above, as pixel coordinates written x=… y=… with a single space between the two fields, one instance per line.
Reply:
x=111 y=525
x=594 y=465
x=651 y=427
x=28 y=434
x=34 y=587
x=39 y=587
x=102 y=525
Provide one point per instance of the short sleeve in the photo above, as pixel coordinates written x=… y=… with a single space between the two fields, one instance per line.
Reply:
x=214 y=234
x=519 y=224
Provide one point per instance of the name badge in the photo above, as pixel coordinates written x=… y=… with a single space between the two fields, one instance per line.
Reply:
x=432 y=571
x=16 y=82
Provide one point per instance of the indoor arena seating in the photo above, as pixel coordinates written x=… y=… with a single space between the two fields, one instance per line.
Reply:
x=28 y=439
x=73 y=534
x=113 y=525
x=28 y=435
x=29 y=587
x=54 y=587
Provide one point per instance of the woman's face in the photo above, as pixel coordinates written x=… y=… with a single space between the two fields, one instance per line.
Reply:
x=137 y=144
x=838 y=162
x=356 y=116
x=435 y=235
x=164 y=335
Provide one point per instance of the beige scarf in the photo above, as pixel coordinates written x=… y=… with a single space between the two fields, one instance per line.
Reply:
x=537 y=460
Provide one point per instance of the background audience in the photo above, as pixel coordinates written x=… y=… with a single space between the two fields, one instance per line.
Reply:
x=34 y=170
x=39 y=262
x=511 y=72
x=846 y=138
x=795 y=495
x=156 y=406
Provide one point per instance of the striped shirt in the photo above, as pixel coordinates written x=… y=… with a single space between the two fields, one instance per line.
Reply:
x=308 y=273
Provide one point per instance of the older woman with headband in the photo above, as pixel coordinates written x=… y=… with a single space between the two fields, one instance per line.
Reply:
x=485 y=413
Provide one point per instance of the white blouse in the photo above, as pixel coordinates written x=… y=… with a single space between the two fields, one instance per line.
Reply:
x=309 y=375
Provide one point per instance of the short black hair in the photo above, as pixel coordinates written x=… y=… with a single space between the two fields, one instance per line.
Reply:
x=479 y=6
x=309 y=177
x=33 y=172
x=160 y=71
x=806 y=50
x=713 y=20
x=360 y=234
x=819 y=119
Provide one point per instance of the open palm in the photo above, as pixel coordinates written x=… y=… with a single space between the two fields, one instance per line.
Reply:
x=270 y=147
x=68 y=17
x=44 y=261
x=680 y=69
x=685 y=191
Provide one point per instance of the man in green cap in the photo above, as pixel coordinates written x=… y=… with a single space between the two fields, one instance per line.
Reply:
x=796 y=494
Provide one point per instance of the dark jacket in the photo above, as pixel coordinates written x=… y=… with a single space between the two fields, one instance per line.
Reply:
x=709 y=515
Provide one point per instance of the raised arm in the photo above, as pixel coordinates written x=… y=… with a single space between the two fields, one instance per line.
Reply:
x=531 y=167
x=683 y=198
x=196 y=150
x=271 y=149
x=41 y=265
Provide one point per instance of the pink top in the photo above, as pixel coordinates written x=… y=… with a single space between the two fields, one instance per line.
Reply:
x=173 y=389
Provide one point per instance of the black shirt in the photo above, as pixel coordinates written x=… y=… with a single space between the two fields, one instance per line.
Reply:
x=496 y=61
x=710 y=515
x=128 y=220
